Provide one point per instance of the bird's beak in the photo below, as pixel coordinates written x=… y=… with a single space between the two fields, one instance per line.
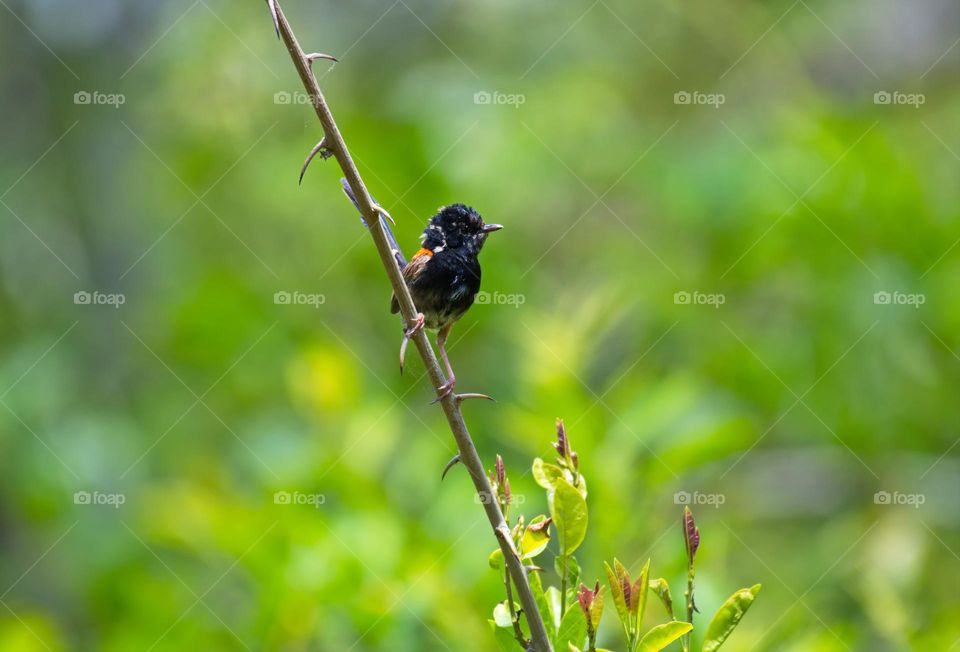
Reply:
x=490 y=228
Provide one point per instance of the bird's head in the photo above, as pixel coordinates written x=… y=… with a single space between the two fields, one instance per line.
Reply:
x=457 y=228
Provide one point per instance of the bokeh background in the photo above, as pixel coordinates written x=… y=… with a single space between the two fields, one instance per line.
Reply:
x=702 y=201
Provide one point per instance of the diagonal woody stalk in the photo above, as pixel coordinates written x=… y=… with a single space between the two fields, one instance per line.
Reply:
x=450 y=404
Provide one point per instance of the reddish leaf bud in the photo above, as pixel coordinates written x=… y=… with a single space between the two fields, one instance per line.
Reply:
x=561 y=444
x=691 y=534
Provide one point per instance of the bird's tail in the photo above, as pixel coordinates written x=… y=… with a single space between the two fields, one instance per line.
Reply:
x=391 y=239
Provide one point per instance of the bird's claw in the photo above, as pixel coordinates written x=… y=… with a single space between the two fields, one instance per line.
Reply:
x=452 y=463
x=415 y=326
x=444 y=391
x=321 y=149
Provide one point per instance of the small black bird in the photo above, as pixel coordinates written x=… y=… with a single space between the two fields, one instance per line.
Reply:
x=443 y=275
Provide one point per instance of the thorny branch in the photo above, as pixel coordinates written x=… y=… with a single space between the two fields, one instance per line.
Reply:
x=334 y=144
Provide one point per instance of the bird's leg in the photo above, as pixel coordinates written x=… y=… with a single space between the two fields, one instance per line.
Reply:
x=416 y=325
x=444 y=390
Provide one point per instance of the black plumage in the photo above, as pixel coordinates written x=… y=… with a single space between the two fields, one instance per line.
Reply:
x=443 y=275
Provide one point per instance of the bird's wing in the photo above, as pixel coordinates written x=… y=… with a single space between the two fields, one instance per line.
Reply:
x=411 y=271
x=391 y=239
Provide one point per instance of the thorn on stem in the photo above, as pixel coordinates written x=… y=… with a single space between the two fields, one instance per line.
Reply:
x=403 y=350
x=276 y=18
x=452 y=463
x=313 y=56
x=321 y=149
x=380 y=209
x=463 y=397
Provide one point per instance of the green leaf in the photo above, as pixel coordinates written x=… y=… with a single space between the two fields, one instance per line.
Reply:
x=573 y=628
x=496 y=559
x=504 y=637
x=535 y=538
x=596 y=611
x=569 y=511
x=573 y=648
x=641 y=587
x=728 y=616
x=552 y=595
x=581 y=485
x=661 y=636
x=617 y=591
x=573 y=571
x=536 y=585
x=660 y=587
x=501 y=615
x=546 y=474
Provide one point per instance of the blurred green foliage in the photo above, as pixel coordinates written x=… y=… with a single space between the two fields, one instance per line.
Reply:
x=797 y=399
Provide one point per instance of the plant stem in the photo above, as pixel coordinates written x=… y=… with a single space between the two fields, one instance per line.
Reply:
x=689 y=596
x=450 y=404
x=563 y=588
x=517 y=631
